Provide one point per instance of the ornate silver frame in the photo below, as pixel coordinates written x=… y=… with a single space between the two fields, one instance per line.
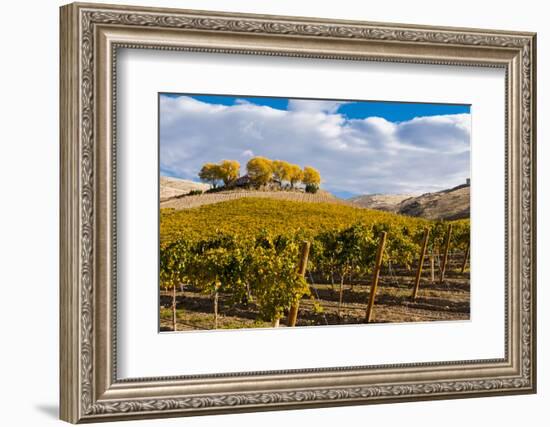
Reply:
x=90 y=36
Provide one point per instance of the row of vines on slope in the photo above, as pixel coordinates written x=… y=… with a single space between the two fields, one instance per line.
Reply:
x=261 y=267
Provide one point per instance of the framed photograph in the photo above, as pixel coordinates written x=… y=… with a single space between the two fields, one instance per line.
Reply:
x=266 y=212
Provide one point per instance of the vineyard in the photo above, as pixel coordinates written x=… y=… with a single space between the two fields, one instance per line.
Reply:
x=187 y=202
x=264 y=262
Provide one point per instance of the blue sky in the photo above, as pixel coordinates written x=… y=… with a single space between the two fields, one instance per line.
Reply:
x=360 y=147
x=391 y=111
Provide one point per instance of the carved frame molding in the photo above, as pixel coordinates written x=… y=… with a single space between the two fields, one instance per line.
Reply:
x=90 y=37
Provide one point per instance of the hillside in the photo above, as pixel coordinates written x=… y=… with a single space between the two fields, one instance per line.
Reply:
x=447 y=204
x=240 y=259
x=251 y=215
x=174 y=187
x=188 y=202
x=382 y=202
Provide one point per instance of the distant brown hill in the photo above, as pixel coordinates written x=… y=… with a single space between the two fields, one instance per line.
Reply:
x=174 y=187
x=381 y=202
x=447 y=204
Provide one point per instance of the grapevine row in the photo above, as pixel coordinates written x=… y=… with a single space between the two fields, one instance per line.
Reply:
x=262 y=267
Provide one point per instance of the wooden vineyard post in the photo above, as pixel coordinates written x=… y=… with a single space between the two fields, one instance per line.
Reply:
x=446 y=253
x=466 y=256
x=421 y=262
x=174 y=312
x=216 y=302
x=376 y=275
x=302 y=266
x=432 y=265
x=341 y=295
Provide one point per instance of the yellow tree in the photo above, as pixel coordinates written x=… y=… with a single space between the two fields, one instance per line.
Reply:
x=210 y=173
x=260 y=170
x=295 y=175
x=311 y=179
x=281 y=171
x=229 y=171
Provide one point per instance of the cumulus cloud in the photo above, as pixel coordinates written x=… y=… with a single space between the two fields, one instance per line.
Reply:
x=315 y=106
x=354 y=156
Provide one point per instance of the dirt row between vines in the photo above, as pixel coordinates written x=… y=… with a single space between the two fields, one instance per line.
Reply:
x=436 y=302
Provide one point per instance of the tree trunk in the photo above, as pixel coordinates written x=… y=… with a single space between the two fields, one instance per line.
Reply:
x=275 y=322
x=432 y=267
x=174 y=312
x=216 y=308
x=341 y=298
x=248 y=294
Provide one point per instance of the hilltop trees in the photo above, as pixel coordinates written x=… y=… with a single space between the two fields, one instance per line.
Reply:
x=226 y=171
x=295 y=175
x=281 y=171
x=210 y=173
x=311 y=179
x=229 y=171
x=261 y=171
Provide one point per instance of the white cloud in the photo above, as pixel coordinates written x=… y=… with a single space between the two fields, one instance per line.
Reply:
x=315 y=106
x=357 y=156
